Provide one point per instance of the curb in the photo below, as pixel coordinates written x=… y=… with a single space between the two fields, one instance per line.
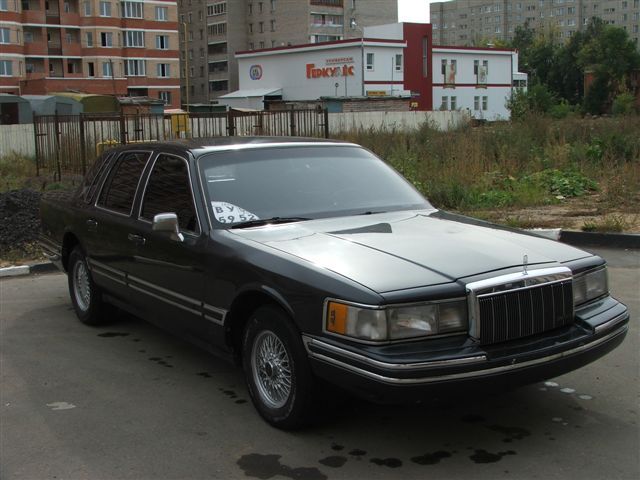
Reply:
x=21 y=270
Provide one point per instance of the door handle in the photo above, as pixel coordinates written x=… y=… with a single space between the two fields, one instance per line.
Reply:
x=92 y=225
x=137 y=239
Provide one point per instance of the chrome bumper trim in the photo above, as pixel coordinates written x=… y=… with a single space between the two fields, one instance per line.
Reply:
x=465 y=375
x=609 y=324
x=391 y=366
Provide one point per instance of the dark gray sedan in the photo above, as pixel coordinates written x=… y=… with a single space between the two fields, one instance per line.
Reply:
x=312 y=262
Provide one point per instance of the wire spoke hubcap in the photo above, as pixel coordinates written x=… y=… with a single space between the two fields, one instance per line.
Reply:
x=81 y=286
x=271 y=369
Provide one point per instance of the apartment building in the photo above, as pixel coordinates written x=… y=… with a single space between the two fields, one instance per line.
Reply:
x=127 y=48
x=215 y=30
x=471 y=22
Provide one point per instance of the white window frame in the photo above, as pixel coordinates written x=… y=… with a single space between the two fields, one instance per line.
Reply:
x=5 y=36
x=108 y=39
x=89 y=39
x=107 y=69
x=370 y=65
x=4 y=5
x=135 y=67
x=134 y=38
x=105 y=9
x=444 y=103
x=164 y=16
x=165 y=96
x=6 y=68
x=132 y=10
x=162 y=42
x=398 y=62
x=163 y=70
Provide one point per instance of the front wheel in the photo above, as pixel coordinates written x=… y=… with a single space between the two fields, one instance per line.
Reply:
x=276 y=369
x=85 y=295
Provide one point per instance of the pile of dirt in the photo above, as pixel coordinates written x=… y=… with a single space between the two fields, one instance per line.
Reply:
x=19 y=219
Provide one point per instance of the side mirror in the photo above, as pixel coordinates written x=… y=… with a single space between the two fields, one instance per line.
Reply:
x=167 y=222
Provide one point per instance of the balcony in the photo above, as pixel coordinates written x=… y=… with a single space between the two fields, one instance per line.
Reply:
x=36 y=48
x=54 y=48
x=52 y=17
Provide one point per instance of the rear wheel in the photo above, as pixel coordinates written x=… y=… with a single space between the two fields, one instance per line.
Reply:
x=85 y=295
x=276 y=369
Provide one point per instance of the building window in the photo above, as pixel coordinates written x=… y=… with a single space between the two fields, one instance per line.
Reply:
x=5 y=35
x=217 y=9
x=454 y=103
x=87 y=9
x=4 y=5
x=273 y=5
x=132 y=10
x=164 y=70
x=218 y=29
x=444 y=105
x=162 y=14
x=370 y=62
x=89 y=39
x=6 y=68
x=106 y=39
x=107 y=69
x=162 y=42
x=134 y=38
x=27 y=36
x=91 y=72
x=425 y=57
x=134 y=68
x=105 y=9
x=476 y=103
x=261 y=27
x=165 y=97
x=261 y=44
x=398 y=62
x=250 y=7
x=485 y=101
x=273 y=25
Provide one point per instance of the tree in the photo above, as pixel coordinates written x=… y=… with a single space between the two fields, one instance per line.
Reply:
x=610 y=54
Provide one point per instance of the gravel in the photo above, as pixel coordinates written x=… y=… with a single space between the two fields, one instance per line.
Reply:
x=20 y=214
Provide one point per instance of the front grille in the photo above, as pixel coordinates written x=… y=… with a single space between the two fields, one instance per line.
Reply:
x=521 y=313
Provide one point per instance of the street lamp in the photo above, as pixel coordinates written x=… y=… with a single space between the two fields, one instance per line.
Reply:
x=354 y=26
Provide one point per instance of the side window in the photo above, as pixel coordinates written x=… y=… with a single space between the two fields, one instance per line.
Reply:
x=120 y=186
x=93 y=176
x=168 y=190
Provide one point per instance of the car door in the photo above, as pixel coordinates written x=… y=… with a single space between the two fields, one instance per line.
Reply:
x=109 y=248
x=168 y=273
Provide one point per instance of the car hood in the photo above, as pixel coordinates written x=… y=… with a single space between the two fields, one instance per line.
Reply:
x=401 y=250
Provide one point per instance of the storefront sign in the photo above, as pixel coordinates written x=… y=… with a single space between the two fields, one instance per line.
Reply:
x=255 y=72
x=377 y=93
x=339 y=60
x=325 y=72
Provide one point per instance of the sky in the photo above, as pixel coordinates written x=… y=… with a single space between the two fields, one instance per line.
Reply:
x=414 y=10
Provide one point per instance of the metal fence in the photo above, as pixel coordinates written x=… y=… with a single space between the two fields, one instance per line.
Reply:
x=68 y=144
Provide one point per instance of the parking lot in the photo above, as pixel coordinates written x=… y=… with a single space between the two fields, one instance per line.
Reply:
x=128 y=401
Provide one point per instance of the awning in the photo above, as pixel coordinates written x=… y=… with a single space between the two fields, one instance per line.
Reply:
x=253 y=93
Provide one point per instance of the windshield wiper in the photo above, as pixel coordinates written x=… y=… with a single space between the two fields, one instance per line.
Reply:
x=269 y=221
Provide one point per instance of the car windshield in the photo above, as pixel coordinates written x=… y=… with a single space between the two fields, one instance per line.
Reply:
x=253 y=186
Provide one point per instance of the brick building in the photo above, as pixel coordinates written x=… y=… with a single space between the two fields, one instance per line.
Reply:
x=90 y=46
x=216 y=29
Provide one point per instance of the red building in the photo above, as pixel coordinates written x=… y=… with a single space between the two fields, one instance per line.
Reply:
x=90 y=46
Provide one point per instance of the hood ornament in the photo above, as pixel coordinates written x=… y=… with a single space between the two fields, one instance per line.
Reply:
x=525 y=264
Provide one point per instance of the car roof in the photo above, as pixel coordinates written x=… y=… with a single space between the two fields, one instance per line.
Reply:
x=200 y=146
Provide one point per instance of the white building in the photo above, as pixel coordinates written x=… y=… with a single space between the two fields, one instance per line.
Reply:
x=393 y=61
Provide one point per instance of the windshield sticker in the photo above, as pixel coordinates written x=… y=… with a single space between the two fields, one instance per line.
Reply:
x=229 y=213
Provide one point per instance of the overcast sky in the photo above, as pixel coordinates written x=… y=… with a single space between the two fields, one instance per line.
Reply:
x=414 y=10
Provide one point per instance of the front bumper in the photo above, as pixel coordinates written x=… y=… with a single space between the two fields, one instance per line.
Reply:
x=414 y=371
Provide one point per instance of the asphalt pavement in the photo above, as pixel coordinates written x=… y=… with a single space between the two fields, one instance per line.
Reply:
x=128 y=401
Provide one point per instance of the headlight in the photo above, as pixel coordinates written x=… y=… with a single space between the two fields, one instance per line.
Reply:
x=590 y=285
x=396 y=322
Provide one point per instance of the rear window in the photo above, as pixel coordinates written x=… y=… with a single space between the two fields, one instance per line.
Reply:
x=120 y=187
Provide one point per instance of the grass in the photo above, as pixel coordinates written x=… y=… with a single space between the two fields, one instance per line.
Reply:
x=607 y=224
x=17 y=171
x=539 y=161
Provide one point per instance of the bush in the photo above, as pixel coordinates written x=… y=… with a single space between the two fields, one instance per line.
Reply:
x=560 y=110
x=624 y=104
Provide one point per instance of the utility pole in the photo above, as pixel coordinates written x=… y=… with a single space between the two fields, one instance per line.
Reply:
x=186 y=66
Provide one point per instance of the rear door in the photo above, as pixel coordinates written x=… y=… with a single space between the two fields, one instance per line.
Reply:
x=167 y=274
x=109 y=247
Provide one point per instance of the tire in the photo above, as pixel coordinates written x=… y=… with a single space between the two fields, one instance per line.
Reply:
x=85 y=295
x=277 y=372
